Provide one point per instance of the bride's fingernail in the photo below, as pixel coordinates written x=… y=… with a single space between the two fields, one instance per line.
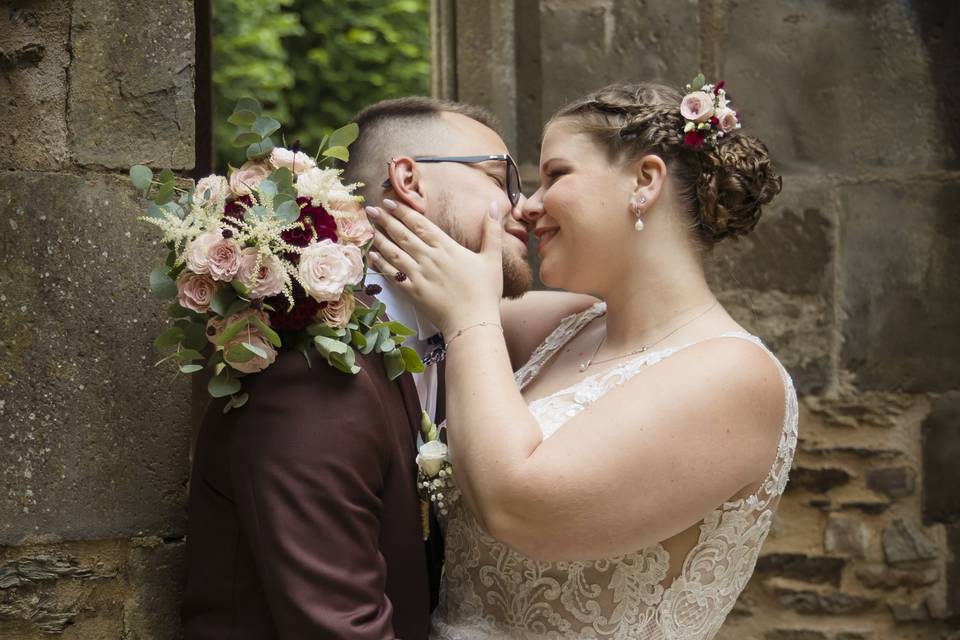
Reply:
x=372 y=211
x=374 y=255
x=389 y=204
x=494 y=210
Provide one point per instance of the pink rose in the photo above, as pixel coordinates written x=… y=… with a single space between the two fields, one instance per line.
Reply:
x=298 y=162
x=195 y=291
x=268 y=279
x=199 y=248
x=327 y=267
x=244 y=181
x=353 y=227
x=697 y=106
x=727 y=119
x=218 y=187
x=337 y=314
x=223 y=259
x=251 y=335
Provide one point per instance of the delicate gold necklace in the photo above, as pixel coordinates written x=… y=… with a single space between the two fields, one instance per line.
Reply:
x=591 y=361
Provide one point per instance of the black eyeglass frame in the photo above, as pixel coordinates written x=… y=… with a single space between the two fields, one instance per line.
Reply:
x=513 y=172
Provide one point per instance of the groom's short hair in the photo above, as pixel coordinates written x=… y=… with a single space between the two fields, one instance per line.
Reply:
x=409 y=126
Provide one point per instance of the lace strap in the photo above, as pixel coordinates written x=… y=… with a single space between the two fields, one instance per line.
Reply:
x=565 y=331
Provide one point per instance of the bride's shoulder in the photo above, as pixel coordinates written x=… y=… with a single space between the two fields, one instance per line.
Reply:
x=529 y=319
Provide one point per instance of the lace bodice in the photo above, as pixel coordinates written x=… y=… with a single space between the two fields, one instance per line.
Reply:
x=491 y=591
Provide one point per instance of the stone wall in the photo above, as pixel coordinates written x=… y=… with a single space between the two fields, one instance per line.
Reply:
x=852 y=277
x=93 y=440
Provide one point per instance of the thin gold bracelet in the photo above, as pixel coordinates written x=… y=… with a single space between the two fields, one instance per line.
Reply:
x=473 y=326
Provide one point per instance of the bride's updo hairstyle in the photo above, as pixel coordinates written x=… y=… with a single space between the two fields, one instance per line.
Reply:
x=724 y=181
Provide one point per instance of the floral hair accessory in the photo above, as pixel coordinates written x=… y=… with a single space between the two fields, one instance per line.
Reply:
x=707 y=113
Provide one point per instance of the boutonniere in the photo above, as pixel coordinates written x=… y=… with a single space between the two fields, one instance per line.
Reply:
x=434 y=472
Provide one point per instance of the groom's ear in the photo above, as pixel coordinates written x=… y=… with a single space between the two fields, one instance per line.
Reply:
x=405 y=180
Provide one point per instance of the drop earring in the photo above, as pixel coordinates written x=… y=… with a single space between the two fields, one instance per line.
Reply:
x=636 y=205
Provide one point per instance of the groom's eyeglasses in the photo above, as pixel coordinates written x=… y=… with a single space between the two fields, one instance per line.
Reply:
x=512 y=186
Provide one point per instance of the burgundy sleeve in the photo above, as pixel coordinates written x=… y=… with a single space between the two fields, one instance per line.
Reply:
x=307 y=469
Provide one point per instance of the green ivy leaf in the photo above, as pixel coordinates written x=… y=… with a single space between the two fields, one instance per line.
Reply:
x=222 y=385
x=141 y=176
x=161 y=284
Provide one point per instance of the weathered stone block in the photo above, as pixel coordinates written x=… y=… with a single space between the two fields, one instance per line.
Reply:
x=95 y=439
x=151 y=610
x=896 y=482
x=886 y=578
x=796 y=566
x=34 y=56
x=819 y=603
x=796 y=85
x=778 y=281
x=904 y=541
x=817 y=480
x=909 y=612
x=941 y=456
x=901 y=285
x=588 y=44
x=852 y=409
x=795 y=634
x=131 y=94
x=846 y=536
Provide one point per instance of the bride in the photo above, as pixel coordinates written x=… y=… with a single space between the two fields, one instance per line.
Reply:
x=622 y=482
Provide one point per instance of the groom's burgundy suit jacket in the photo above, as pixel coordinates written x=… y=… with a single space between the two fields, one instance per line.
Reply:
x=304 y=521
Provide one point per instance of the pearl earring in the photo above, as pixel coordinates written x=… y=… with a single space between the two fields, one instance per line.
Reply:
x=636 y=206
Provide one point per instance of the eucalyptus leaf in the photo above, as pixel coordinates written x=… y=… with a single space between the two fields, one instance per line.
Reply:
x=155 y=211
x=176 y=311
x=242 y=118
x=187 y=355
x=231 y=330
x=254 y=349
x=239 y=354
x=387 y=345
x=141 y=176
x=191 y=368
x=194 y=336
x=169 y=338
x=327 y=346
x=260 y=150
x=236 y=306
x=239 y=400
x=246 y=138
x=412 y=361
x=268 y=188
x=268 y=333
x=248 y=104
x=287 y=212
x=222 y=385
x=222 y=300
x=393 y=360
x=340 y=153
x=165 y=194
x=323 y=145
x=345 y=136
x=358 y=340
x=266 y=126
x=167 y=177
x=320 y=329
x=161 y=284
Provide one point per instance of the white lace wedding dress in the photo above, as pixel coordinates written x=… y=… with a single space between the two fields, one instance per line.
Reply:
x=490 y=591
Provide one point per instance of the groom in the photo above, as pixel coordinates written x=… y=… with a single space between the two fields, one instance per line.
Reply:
x=303 y=512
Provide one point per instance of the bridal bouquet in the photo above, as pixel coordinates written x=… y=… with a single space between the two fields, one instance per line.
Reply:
x=268 y=257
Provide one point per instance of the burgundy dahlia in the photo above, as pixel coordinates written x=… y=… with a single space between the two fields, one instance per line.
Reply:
x=694 y=139
x=317 y=223
x=299 y=317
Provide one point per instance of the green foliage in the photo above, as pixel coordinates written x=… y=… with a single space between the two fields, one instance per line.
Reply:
x=313 y=63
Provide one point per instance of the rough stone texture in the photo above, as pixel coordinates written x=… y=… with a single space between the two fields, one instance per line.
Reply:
x=904 y=541
x=818 y=480
x=902 y=289
x=96 y=439
x=823 y=602
x=879 y=577
x=795 y=634
x=896 y=482
x=797 y=566
x=941 y=458
x=808 y=98
x=34 y=55
x=109 y=589
x=846 y=536
x=131 y=94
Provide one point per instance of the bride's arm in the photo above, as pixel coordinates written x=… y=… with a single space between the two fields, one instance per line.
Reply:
x=651 y=460
x=529 y=319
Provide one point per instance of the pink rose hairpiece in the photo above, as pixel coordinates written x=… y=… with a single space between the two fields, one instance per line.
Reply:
x=707 y=112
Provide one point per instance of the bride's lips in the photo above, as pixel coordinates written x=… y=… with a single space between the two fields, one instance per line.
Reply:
x=544 y=236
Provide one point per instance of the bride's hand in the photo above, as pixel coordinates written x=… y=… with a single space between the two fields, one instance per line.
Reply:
x=454 y=286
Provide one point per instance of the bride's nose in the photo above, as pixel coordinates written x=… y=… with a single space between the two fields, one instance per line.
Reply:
x=531 y=210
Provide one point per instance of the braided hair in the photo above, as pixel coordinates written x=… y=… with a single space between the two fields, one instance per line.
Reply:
x=724 y=185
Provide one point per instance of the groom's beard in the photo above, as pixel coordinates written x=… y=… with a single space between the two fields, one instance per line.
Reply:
x=517 y=272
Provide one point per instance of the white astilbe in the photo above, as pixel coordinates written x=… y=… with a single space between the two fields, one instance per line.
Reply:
x=323 y=186
x=179 y=232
